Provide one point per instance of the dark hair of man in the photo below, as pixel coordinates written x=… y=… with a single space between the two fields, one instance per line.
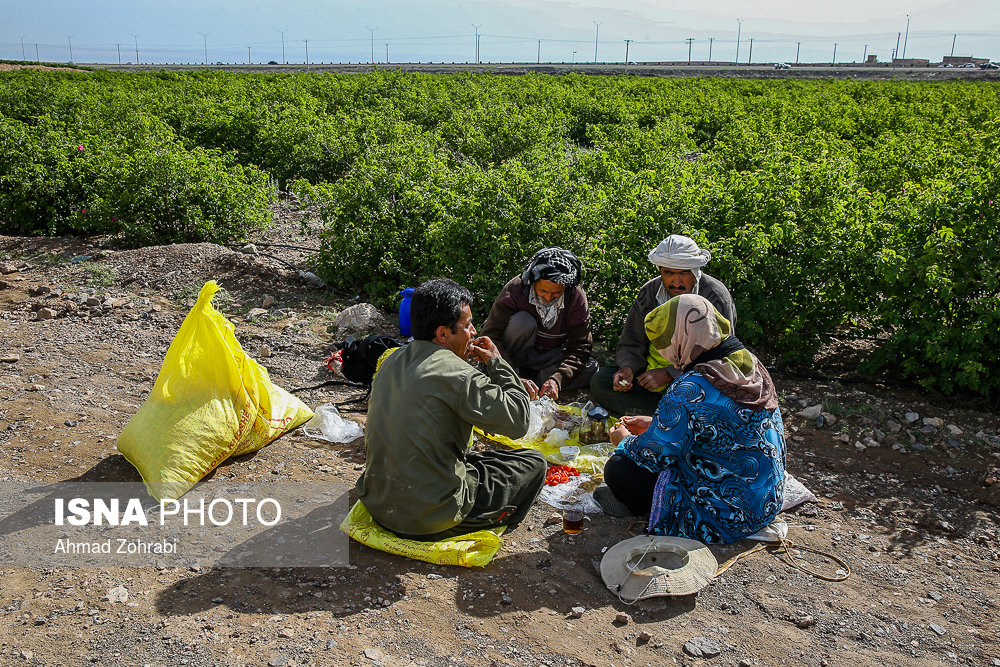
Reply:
x=436 y=303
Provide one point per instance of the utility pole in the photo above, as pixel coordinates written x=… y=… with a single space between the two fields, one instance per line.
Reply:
x=906 y=36
x=37 y=60
x=627 y=42
x=307 y=52
x=477 y=41
x=119 y=54
x=574 y=57
x=864 y=58
x=952 y=44
x=798 y=45
x=136 y=38
x=23 y=58
x=249 y=61
x=596 y=35
x=834 y=61
x=710 y=40
x=750 y=57
x=739 y=31
x=204 y=36
x=69 y=38
x=372 y=31
x=283 y=44
x=387 y=53
x=539 y=57
x=896 y=50
x=690 y=41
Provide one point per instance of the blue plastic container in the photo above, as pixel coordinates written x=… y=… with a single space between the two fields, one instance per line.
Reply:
x=404 y=312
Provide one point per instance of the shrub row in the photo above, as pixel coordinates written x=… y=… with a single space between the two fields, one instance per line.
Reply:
x=99 y=163
x=860 y=209
x=875 y=218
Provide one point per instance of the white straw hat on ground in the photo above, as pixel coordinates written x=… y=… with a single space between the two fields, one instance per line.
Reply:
x=650 y=565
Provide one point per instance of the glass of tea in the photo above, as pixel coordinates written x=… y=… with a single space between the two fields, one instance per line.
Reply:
x=573 y=518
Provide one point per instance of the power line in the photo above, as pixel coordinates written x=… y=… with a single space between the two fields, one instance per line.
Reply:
x=283 y=44
x=437 y=46
x=907 y=35
x=204 y=36
x=739 y=31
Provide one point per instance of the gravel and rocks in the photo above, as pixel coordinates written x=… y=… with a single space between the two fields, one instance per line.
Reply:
x=702 y=647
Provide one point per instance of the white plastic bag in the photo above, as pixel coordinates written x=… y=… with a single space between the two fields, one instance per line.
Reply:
x=327 y=424
x=795 y=493
x=560 y=494
x=557 y=437
x=776 y=531
x=541 y=418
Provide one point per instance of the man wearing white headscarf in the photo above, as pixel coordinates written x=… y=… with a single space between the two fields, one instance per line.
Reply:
x=636 y=384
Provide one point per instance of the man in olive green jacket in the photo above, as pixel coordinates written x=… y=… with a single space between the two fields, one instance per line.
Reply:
x=420 y=480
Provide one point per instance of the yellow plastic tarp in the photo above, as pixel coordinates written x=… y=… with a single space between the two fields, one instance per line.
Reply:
x=591 y=458
x=471 y=550
x=210 y=401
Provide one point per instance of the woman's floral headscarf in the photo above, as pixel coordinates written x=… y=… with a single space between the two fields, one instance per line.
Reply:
x=692 y=335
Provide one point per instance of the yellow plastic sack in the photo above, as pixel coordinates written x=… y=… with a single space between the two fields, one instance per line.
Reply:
x=210 y=401
x=471 y=550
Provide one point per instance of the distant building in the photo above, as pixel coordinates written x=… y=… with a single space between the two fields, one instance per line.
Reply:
x=911 y=62
x=872 y=60
x=958 y=61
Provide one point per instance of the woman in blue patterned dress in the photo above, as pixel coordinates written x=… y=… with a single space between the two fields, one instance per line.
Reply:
x=710 y=465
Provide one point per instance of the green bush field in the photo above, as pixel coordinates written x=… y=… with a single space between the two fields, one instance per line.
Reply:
x=831 y=207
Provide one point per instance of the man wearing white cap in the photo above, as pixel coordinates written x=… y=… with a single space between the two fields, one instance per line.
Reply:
x=637 y=383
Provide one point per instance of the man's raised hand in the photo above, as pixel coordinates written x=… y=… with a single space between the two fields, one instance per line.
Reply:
x=483 y=349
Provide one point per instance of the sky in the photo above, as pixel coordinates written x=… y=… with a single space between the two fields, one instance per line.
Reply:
x=238 y=31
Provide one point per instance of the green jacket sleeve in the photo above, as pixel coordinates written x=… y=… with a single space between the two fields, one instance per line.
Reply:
x=496 y=401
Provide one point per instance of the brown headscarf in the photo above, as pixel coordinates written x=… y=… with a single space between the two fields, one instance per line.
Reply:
x=687 y=326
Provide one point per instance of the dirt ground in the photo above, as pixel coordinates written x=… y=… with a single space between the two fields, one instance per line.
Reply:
x=908 y=502
x=6 y=67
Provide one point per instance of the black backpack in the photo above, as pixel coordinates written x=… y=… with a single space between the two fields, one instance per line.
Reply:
x=359 y=357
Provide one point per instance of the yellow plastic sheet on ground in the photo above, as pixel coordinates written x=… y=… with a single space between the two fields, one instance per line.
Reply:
x=471 y=550
x=210 y=401
x=591 y=458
